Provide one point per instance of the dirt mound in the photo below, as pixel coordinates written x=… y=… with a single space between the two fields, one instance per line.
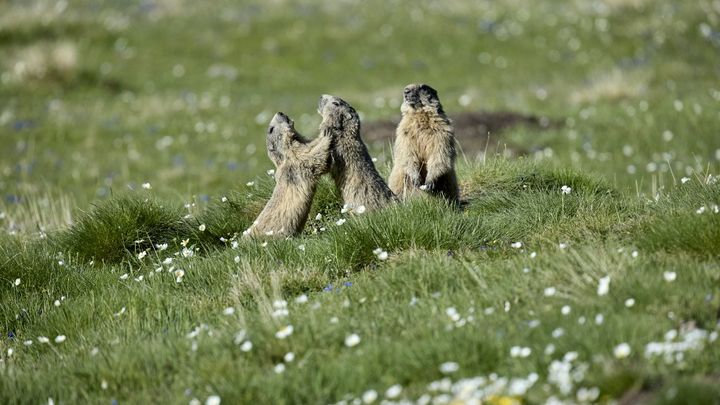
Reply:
x=472 y=129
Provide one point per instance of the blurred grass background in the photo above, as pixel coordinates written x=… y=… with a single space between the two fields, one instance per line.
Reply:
x=97 y=97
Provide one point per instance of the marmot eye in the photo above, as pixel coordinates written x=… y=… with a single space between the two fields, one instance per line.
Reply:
x=272 y=128
x=336 y=104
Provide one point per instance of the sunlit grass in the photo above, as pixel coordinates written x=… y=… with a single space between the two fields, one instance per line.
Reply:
x=583 y=269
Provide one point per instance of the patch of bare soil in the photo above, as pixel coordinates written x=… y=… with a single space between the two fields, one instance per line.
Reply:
x=475 y=131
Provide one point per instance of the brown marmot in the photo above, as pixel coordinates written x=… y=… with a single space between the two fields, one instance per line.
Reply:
x=300 y=163
x=424 y=152
x=352 y=169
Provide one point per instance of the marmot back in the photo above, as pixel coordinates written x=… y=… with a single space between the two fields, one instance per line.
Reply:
x=424 y=151
x=300 y=163
x=352 y=169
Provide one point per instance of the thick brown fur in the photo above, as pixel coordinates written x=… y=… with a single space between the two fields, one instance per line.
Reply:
x=424 y=152
x=299 y=165
x=352 y=169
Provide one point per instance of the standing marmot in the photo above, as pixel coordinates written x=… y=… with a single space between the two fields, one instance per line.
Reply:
x=355 y=176
x=424 y=151
x=300 y=163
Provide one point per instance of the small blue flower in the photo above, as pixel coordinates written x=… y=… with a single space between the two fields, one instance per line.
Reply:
x=11 y=335
x=347 y=284
x=328 y=287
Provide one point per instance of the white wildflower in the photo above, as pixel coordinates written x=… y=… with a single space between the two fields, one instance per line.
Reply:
x=516 y=245
x=212 y=400
x=246 y=346
x=284 y=332
x=549 y=349
x=146 y=186
x=394 y=391
x=599 y=319
x=453 y=314
x=60 y=338
x=369 y=396
x=587 y=395
x=229 y=311
x=289 y=357
x=603 y=286
x=449 y=367
x=352 y=340
x=684 y=180
x=202 y=227
x=279 y=368
x=550 y=291
x=622 y=351
x=670 y=276
x=565 y=189
x=517 y=351
x=340 y=221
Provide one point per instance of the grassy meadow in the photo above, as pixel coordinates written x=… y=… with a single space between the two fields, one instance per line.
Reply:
x=583 y=268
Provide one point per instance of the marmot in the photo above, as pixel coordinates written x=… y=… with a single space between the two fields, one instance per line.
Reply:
x=424 y=152
x=300 y=163
x=352 y=169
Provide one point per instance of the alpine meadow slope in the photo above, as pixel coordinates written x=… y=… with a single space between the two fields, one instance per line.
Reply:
x=583 y=267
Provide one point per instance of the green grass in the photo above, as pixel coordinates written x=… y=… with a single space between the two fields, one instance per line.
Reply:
x=99 y=99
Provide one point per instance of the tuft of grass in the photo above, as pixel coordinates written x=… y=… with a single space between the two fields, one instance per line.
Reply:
x=127 y=225
x=684 y=220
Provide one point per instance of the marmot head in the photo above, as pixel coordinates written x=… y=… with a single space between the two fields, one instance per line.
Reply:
x=421 y=97
x=281 y=137
x=338 y=114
